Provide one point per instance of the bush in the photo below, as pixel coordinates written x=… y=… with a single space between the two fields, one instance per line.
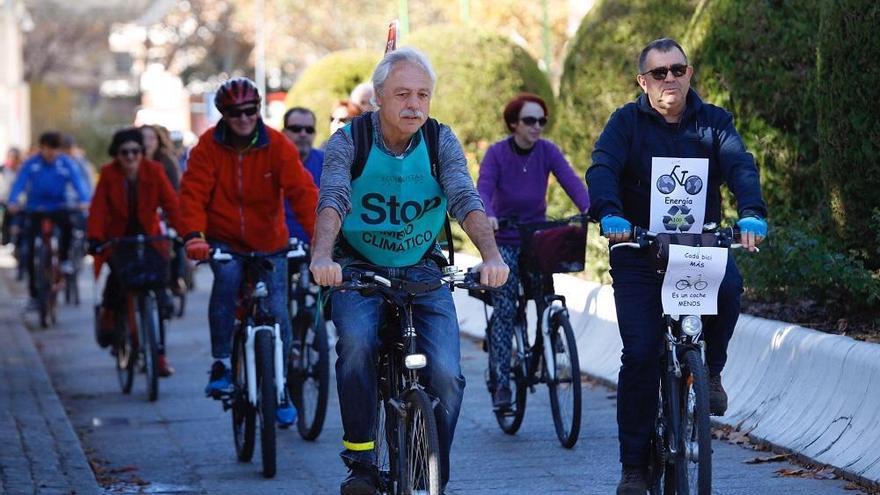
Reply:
x=797 y=264
x=757 y=59
x=330 y=79
x=599 y=70
x=849 y=128
x=477 y=73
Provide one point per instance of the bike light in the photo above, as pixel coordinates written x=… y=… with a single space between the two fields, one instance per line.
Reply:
x=415 y=361
x=691 y=325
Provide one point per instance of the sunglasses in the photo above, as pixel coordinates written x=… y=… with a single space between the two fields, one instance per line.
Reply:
x=130 y=151
x=238 y=112
x=530 y=121
x=296 y=129
x=659 y=73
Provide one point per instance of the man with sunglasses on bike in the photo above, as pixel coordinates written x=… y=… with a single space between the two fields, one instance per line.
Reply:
x=231 y=198
x=668 y=124
x=299 y=128
x=389 y=217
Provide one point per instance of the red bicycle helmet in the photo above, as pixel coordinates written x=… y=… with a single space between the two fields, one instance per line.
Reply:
x=236 y=91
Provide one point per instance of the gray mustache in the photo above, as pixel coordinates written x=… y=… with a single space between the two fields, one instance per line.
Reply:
x=416 y=114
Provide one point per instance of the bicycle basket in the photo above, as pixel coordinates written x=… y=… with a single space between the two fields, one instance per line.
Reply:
x=559 y=249
x=139 y=268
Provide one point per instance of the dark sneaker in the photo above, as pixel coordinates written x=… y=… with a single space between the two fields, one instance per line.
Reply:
x=105 y=326
x=165 y=370
x=220 y=381
x=285 y=414
x=361 y=480
x=633 y=481
x=717 y=396
x=501 y=399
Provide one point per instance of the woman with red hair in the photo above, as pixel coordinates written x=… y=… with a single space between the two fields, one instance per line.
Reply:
x=513 y=185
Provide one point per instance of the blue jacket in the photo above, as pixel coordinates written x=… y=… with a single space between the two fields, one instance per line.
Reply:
x=619 y=181
x=46 y=183
x=313 y=163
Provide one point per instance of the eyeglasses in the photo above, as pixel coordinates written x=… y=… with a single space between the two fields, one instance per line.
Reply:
x=659 y=73
x=296 y=129
x=530 y=121
x=130 y=151
x=235 y=113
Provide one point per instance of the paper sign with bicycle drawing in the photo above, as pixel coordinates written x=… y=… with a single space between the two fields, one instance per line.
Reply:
x=693 y=276
x=678 y=194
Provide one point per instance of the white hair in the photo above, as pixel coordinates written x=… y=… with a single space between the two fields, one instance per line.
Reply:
x=359 y=89
x=391 y=59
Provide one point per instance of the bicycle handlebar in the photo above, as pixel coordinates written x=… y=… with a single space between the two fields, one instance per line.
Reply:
x=367 y=279
x=134 y=239
x=514 y=223
x=727 y=237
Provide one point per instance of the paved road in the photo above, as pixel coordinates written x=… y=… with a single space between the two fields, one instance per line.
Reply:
x=183 y=443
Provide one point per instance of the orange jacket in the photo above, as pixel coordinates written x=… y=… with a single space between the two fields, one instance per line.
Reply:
x=237 y=197
x=109 y=211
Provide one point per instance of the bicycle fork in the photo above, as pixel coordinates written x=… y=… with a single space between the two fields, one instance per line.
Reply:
x=251 y=368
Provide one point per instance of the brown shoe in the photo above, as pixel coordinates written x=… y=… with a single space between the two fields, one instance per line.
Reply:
x=165 y=370
x=105 y=326
x=633 y=481
x=717 y=396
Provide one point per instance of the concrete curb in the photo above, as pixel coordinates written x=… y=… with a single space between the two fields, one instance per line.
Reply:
x=41 y=453
x=808 y=392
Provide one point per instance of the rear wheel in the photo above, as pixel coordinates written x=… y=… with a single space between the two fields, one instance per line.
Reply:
x=695 y=451
x=125 y=346
x=44 y=272
x=564 y=380
x=511 y=419
x=149 y=326
x=243 y=413
x=264 y=354
x=309 y=376
x=422 y=467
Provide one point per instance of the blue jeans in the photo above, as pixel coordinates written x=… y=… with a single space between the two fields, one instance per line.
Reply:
x=228 y=276
x=358 y=320
x=639 y=310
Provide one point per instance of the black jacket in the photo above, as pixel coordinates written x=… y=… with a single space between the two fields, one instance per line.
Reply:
x=619 y=180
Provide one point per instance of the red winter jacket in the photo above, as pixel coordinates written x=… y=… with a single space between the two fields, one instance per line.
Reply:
x=237 y=197
x=108 y=214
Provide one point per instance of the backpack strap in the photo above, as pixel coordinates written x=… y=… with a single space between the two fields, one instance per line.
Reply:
x=362 y=138
x=431 y=132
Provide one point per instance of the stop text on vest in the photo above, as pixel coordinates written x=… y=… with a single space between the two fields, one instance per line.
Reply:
x=379 y=209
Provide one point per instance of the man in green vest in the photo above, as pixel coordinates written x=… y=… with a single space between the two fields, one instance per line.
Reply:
x=389 y=214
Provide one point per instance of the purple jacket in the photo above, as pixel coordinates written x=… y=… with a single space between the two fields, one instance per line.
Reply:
x=515 y=186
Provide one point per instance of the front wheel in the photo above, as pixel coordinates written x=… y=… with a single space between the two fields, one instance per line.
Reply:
x=264 y=354
x=125 y=345
x=695 y=449
x=308 y=380
x=422 y=463
x=563 y=374
x=149 y=326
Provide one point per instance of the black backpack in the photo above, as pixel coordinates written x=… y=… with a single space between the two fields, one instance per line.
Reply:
x=362 y=137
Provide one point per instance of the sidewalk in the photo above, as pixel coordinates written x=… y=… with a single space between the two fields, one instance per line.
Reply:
x=41 y=454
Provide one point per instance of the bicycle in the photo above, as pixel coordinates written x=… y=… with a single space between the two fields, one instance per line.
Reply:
x=686 y=283
x=257 y=363
x=681 y=446
x=140 y=328
x=557 y=364
x=47 y=273
x=407 y=443
x=308 y=375
x=76 y=254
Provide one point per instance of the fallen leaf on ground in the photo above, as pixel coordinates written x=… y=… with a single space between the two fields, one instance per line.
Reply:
x=770 y=458
x=791 y=472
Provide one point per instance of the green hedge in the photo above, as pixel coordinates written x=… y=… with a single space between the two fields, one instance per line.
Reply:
x=599 y=70
x=330 y=79
x=477 y=73
x=757 y=59
x=849 y=127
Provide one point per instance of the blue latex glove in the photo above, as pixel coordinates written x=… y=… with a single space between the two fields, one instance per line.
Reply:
x=613 y=224
x=754 y=225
